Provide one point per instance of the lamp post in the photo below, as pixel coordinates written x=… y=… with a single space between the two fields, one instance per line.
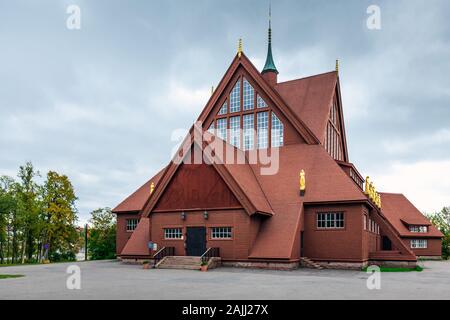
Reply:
x=86 y=242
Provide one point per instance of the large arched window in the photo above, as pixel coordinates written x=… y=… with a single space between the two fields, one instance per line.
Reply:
x=246 y=121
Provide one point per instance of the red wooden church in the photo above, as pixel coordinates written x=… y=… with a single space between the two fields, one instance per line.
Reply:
x=309 y=206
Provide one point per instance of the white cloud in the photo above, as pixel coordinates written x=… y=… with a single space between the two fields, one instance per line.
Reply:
x=402 y=146
x=426 y=183
x=186 y=98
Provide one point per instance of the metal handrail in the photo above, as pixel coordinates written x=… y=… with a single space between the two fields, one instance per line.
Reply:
x=210 y=253
x=163 y=252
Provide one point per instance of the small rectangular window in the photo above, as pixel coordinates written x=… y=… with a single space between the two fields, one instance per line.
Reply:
x=419 y=244
x=173 y=233
x=221 y=233
x=330 y=220
x=418 y=229
x=132 y=224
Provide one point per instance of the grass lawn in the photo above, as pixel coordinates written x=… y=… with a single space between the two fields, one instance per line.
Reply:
x=9 y=276
x=388 y=269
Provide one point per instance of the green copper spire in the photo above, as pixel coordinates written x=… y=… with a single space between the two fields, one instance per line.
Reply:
x=270 y=65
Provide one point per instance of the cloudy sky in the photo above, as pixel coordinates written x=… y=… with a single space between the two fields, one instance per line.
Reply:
x=100 y=103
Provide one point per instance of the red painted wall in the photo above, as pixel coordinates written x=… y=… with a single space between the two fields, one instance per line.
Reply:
x=434 y=247
x=338 y=244
x=244 y=230
x=196 y=186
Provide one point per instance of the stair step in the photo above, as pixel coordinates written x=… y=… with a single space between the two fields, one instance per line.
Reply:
x=180 y=262
x=182 y=267
x=308 y=263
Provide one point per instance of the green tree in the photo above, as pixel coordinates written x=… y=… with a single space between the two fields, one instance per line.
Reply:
x=9 y=224
x=28 y=210
x=442 y=221
x=60 y=237
x=8 y=213
x=102 y=234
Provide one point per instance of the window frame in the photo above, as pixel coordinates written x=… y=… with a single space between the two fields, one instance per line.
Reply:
x=416 y=246
x=330 y=212
x=276 y=134
x=257 y=108
x=177 y=231
x=127 y=223
x=418 y=229
x=231 y=233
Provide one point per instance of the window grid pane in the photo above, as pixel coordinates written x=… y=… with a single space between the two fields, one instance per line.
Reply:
x=132 y=224
x=249 y=96
x=235 y=131
x=263 y=129
x=235 y=98
x=330 y=220
x=222 y=128
x=223 y=109
x=419 y=244
x=249 y=124
x=221 y=233
x=173 y=233
x=261 y=103
x=211 y=128
x=418 y=229
x=277 y=131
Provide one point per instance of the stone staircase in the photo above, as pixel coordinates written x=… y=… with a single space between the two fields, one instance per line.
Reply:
x=308 y=263
x=179 y=262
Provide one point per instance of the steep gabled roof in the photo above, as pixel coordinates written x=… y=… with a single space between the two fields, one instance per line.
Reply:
x=135 y=202
x=311 y=99
x=238 y=177
x=400 y=212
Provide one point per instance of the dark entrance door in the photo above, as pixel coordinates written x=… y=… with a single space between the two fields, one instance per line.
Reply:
x=302 y=246
x=387 y=244
x=195 y=241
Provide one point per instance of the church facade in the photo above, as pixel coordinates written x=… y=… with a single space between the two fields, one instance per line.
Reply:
x=265 y=178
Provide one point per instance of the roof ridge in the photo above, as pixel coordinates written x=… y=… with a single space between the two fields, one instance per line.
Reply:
x=308 y=77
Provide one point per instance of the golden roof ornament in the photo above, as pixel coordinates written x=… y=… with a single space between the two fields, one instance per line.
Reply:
x=366 y=186
x=302 y=181
x=371 y=190
x=240 y=48
x=337 y=66
x=152 y=187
